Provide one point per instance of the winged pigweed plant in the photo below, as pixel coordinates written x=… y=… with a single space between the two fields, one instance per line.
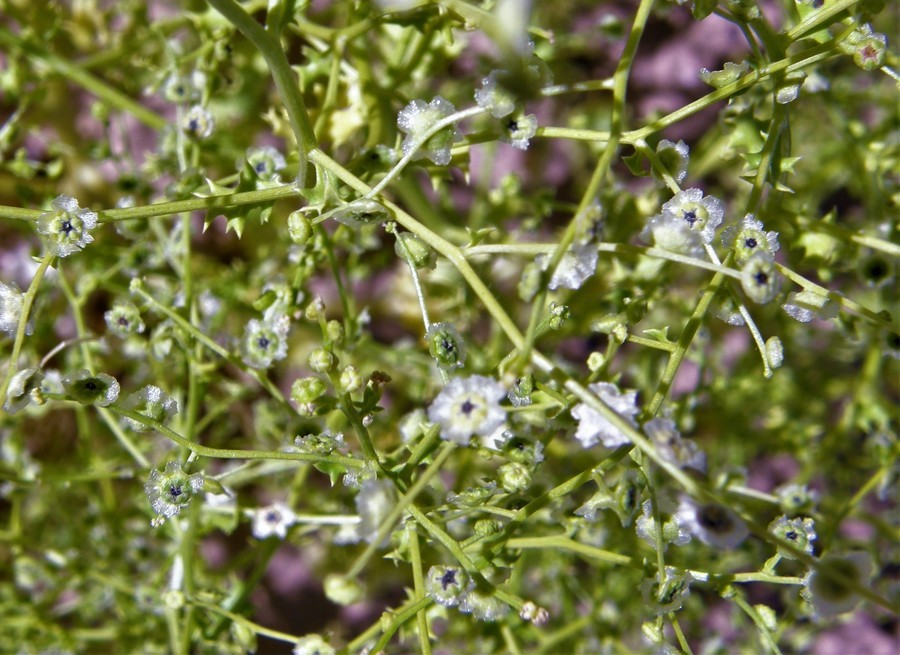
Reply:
x=470 y=327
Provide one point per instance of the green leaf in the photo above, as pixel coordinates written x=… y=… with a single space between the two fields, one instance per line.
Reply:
x=703 y=8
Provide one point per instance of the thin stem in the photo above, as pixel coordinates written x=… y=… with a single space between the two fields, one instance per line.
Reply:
x=285 y=79
x=27 y=302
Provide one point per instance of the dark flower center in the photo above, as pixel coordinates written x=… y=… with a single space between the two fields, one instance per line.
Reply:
x=750 y=242
x=512 y=125
x=761 y=278
x=448 y=579
x=273 y=517
x=263 y=342
x=175 y=490
x=791 y=535
x=91 y=385
x=67 y=227
x=691 y=217
x=468 y=407
x=714 y=518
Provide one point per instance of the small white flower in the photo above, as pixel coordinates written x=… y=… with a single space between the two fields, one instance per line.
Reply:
x=152 y=402
x=265 y=163
x=265 y=341
x=831 y=597
x=519 y=131
x=468 y=406
x=67 y=227
x=798 y=532
x=594 y=428
x=674 y=530
x=714 y=525
x=748 y=237
x=702 y=214
x=663 y=433
x=11 y=300
x=759 y=277
x=577 y=265
x=417 y=119
x=494 y=97
x=171 y=490
x=198 y=122
x=374 y=502
x=274 y=520
x=672 y=235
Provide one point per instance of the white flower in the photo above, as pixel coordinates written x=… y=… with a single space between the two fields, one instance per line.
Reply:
x=674 y=530
x=495 y=98
x=672 y=235
x=577 y=265
x=374 y=502
x=273 y=520
x=171 y=490
x=67 y=227
x=417 y=119
x=663 y=433
x=759 y=277
x=714 y=525
x=198 y=122
x=11 y=300
x=265 y=163
x=518 y=132
x=265 y=341
x=831 y=597
x=468 y=406
x=798 y=532
x=749 y=237
x=593 y=427
x=152 y=402
x=703 y=214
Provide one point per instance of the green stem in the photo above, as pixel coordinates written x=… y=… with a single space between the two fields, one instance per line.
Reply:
x=419 y=589
x=94 y=85
x=27 y=302
x=285 y=79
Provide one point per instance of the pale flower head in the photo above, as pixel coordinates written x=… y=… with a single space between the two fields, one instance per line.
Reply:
x=11 y=301
x=577 y=265
x=274 y=520
x=417 y=119
x=593 y=427
x=702 y=214
x=66 y=228
x=714 y=525
x=468 y=406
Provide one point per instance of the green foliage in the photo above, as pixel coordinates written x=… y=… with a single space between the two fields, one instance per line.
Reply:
x=415 y=307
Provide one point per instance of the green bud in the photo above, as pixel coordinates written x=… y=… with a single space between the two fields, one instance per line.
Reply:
x=343 y=590
x=307 y=390
x=334 y=332
x=486 y=527
x=514 y=477
x=414 y=251
x=350 y=380
x=299 y=228
x=316 y=309
x=446 y=346
x=320 y=360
